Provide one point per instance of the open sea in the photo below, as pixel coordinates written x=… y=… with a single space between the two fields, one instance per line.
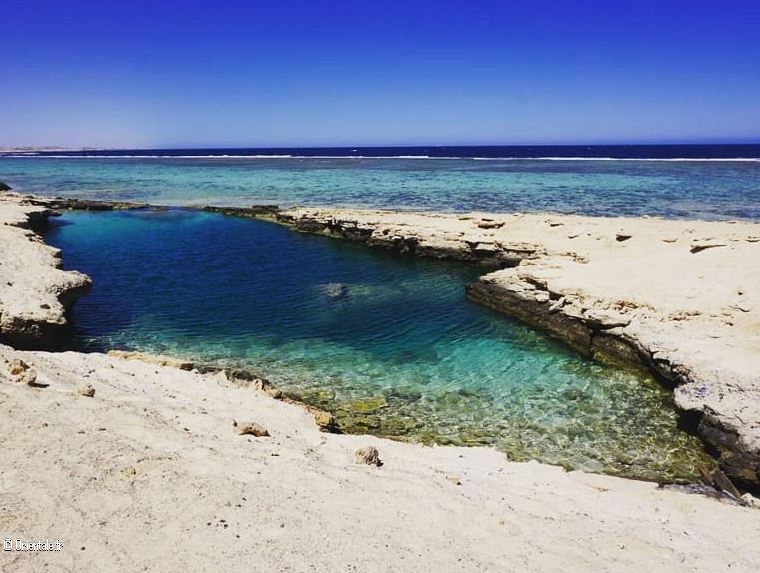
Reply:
x=697 y=181
x=388 y=343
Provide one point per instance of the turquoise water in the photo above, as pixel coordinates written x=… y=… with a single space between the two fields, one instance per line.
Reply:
x=699 y=189
x=389 y=344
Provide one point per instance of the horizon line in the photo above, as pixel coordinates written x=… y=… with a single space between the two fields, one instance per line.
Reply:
x=65 y=148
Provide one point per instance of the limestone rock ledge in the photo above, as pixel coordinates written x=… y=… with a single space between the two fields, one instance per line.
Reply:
x=677 y=298
x=34 y=290
x=725 y=394
x=409 y=233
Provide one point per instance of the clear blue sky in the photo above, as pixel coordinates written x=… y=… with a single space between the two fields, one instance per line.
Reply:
x=161 y=74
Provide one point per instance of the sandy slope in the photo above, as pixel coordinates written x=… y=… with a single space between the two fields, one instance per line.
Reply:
x=149 y=474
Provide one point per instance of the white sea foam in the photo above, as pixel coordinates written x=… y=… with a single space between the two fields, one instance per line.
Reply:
x=122 y=156
x=255 y=157
x=671 y=159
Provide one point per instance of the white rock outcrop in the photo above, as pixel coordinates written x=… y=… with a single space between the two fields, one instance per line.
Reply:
x=34 y=289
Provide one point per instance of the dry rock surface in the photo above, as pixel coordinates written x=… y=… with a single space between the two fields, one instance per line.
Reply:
x=157 y=359
x=679 y=298
x=34 y=290
x=368 y=455
x=251 y=429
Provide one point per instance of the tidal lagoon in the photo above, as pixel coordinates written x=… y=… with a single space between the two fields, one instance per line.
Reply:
x=389 y=344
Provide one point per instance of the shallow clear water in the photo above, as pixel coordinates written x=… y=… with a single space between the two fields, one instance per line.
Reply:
x=697 y=189
x=390 y=344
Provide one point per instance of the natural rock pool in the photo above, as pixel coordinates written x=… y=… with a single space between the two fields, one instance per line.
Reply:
x=389 y=344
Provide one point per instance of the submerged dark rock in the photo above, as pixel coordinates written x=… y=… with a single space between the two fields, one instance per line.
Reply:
x=334 y=290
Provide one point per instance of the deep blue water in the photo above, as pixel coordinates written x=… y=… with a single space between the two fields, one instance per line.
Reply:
x=707 y=188
x=390 y=344
x=673 y=151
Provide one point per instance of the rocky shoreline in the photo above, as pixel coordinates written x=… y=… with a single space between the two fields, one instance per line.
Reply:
x=54 y=290
x=34 y=290
x=675 y=298
x=140 y=464
x=114 y=452
x=599 y=297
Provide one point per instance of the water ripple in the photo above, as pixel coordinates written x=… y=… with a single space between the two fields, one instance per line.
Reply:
x=389 y=344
